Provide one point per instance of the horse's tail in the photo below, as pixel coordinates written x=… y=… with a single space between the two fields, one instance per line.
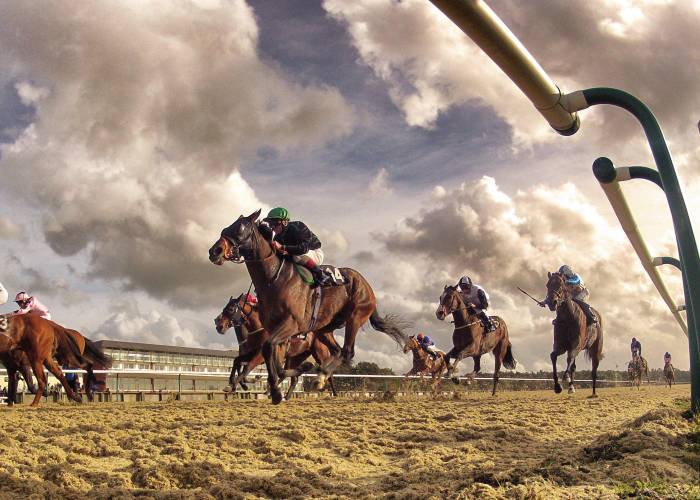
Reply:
x=390 y=324
x=509 y=361
x=69 y=350
x=596 y=349
x=96 y=355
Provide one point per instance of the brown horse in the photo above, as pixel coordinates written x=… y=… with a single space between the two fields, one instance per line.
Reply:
x=424 y=364
x=251 y=335
x=571 y=334
x=43 y=340
x=669 y=374
x=636 y=368
x=16 y=363
x=287 y=302
x=469 y=339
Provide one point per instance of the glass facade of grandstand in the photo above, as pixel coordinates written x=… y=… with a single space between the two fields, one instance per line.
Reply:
x=177 y=368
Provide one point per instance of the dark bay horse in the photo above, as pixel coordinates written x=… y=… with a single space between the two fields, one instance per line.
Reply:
x=571 y=335
x=424 y=364
x=669 y=374
x=16 y=363
x=251 y=335
x=636 y=368
x=469 y=339
x=286 y=301
x=43 y=340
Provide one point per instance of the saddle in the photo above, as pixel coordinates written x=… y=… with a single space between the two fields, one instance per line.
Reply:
x=336 y=276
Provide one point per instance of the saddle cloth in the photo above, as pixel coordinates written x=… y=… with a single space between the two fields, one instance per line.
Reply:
x=336 y=277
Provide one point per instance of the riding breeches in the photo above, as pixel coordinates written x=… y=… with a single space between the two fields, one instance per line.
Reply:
x=316 y=256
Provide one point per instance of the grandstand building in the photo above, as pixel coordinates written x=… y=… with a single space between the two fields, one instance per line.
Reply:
x=171 y=368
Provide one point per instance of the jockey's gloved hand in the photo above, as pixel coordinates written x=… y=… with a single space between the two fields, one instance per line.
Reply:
x=542 y=303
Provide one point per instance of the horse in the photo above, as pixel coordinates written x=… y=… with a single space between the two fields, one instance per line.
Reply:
x=571 y=334
x=424 y=364
x=16 y=363
x=43 y=340
x=286 y=302
x=251 y=335
x=669 y=374
x=636 y=368
x=469 y=339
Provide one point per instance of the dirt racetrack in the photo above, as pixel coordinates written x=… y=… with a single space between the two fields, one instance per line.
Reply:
x=516 y=445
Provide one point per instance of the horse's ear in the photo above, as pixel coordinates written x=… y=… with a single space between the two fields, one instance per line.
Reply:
x=254 y=216
x=549 y=275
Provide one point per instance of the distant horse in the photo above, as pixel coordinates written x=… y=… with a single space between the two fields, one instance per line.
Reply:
x=571 y=335
x=251 y=335
x=669 y=374
x=16 y=362
x=424 y=364
x=469 y=339
x=636 y=368
x=43 y=340
x=287 y=302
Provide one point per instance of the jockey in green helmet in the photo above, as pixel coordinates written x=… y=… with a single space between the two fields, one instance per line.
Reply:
x=295 y=239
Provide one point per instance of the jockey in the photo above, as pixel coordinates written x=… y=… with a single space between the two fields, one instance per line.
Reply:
x=3 y=294
x=667 y=358
x=427 y=345
x=477 y=296
x=29 y=305
x=636 y=347
x=295 y=239
x=578 y=291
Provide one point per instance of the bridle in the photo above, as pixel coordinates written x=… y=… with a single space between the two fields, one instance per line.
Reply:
x=236 y=314
x=447 y=310
x=556 y=297
x=253 y=241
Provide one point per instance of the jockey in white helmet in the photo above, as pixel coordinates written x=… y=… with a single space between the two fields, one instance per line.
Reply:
x=477 y=296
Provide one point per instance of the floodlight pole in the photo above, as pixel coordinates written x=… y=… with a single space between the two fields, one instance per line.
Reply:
x=486 y=29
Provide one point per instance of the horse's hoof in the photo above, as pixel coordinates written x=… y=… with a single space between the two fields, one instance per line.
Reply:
x=228 y=388
x=572 y=390
x=276 y=397
x=455 y=380
x=557 y=388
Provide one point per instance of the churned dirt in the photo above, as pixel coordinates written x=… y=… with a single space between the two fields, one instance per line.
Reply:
x=515 y=445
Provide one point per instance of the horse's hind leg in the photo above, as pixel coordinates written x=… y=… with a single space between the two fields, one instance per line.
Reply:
x=594 y=371
x=12 y=375
x=496 y=369
x=292 y=384
x=89 y=383
x=40 y=374
x=58 y=373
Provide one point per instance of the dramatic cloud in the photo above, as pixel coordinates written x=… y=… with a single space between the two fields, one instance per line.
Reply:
x=10 y=230
x=503 y=242
x=142 y=114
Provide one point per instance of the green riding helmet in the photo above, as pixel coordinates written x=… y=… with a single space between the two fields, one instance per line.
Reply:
x=278 y=213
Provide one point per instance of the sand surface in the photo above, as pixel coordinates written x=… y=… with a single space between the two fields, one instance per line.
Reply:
x=516 y=445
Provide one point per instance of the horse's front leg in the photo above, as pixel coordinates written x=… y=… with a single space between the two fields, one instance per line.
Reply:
x=553 y=356
x=274 y=365
x=571 y=370
x=477 y=368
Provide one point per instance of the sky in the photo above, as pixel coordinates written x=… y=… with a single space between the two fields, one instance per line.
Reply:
x=131 y=133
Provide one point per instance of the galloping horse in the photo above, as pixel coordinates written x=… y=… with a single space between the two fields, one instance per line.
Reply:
x=286 y=302
x=251 y=335
x=571 y=335
x=43 y=340
x=16 y=362
x=423 y=364
x=636 y=368
x=469 y=339
x=669 y=374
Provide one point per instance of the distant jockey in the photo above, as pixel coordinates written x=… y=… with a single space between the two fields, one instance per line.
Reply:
x=427 y=345
x=29 y=305
x=477 y=296
x=578 y=292
x=635 y=347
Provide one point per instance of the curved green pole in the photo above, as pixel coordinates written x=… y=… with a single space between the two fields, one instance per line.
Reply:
x=687 y=247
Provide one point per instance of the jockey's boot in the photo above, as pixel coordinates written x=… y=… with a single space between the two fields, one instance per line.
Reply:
x=433 y=355
x=486 y=321
x=591 y=318
x=320 y=278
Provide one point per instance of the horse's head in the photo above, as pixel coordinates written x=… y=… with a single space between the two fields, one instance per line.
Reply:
x=234 y=314
x=556 y=290
x=411 y=344
x=450 y=301
x=236 y=241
